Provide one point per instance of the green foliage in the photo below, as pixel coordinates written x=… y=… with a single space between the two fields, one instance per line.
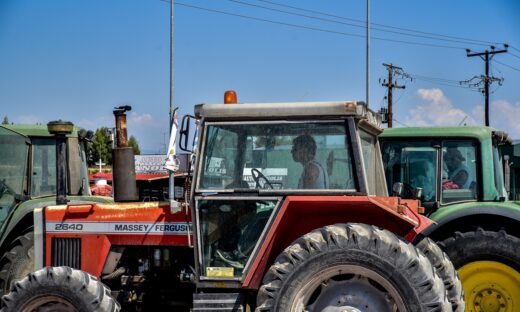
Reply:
x=102 y=146
x=5 y=121
x=132 y=142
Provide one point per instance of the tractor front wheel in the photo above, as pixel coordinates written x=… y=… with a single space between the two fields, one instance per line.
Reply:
x=352 y=267
x=488 y=263
x=59 y=289
x=17 y=262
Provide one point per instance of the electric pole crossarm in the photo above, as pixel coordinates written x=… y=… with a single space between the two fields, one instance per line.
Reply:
x=486 y=56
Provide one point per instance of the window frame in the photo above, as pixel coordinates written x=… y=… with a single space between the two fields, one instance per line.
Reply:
x=247 y=267
x=478 y=170
x=350 y=142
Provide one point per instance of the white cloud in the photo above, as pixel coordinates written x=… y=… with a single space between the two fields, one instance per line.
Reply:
x=93 y=124
x=506 y=116
x=436 y=109
x=141 y=119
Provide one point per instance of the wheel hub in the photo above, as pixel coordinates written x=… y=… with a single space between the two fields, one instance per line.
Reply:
x=49 y=303
x=355 y=295
x=348 y=288
x=490 y=286
x=490 y=300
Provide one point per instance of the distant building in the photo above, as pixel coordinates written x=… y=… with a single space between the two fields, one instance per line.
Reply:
x=151 y=177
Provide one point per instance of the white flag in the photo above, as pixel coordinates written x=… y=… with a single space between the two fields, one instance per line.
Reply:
x=172 y=164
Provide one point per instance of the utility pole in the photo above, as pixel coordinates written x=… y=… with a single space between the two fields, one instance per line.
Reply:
x=171 y=186
x=368 y=54
x=487 y=56
x=391 y=85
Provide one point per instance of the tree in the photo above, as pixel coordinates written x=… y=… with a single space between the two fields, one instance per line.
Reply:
x=5 y=121
x=102 y=146
x=132 y=142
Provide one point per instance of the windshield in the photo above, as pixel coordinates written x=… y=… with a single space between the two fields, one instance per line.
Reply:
x=413 y=164
x=274 y=155
x=44 y=167
x=372 y=164
x=13 y=162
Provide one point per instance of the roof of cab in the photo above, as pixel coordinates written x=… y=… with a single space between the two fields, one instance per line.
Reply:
x=286 y=110
x=35 y=130
x=476 y=132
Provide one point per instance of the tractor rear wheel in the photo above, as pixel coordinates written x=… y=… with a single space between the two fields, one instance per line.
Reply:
x=488 y=263
x=60 y=289
x=446 y=271
x=17 y=262
x=352 y=267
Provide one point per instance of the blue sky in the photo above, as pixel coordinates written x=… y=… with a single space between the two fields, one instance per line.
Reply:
x=77 y=59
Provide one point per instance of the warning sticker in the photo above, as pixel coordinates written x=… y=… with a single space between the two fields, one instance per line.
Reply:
x=220 y=272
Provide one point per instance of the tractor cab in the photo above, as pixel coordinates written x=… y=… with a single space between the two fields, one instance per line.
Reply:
x=447 y=163
x=28 y=166
x=252 y=156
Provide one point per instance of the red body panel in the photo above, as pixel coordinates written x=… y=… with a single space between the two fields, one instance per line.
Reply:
x=123 y=224
x=137 y=224
x=302 y=214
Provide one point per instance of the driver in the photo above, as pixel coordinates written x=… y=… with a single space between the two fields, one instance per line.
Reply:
x=313 y=175
x=458 y=173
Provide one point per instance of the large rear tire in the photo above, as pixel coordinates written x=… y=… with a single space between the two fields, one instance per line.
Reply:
x=17 y=262
x=488 y=263
x=59 y=289
x=352 y=267
x=446 y=271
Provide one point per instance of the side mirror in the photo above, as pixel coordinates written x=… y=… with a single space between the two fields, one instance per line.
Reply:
x=397 y=188
x=185 y=133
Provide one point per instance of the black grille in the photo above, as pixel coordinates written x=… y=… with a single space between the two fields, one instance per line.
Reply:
x=66 y=252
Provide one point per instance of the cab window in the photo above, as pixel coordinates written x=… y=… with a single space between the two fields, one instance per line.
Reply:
x=413 y=164
x=459 y=171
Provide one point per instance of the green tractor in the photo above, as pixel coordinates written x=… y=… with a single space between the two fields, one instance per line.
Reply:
x=461 y=175
x=29 y=155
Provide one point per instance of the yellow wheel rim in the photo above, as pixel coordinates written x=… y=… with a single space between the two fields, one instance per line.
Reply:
x=490 y=286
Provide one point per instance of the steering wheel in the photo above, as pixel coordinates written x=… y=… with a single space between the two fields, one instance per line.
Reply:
x=257 y=175
x=408 y=190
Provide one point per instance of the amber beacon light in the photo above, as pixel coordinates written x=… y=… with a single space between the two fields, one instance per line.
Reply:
x=230 y=97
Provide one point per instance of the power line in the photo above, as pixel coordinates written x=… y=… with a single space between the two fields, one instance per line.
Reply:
x=435 y=78
x=350 y=24
x=510 y=53
x=517 y=50
x=442 y=81
x=506 y=65
x=400 y=96
x=314 y=28
x=402 y=124
x=446 y=84
x=387 y=26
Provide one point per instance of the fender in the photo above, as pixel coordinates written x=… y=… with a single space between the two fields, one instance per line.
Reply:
x=299 y=215
x=448 y=215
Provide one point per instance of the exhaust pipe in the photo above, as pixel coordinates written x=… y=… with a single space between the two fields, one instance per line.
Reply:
x=123 y=175
x=60 y=129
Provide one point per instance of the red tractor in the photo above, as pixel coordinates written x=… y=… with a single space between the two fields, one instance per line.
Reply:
x=287 y=211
